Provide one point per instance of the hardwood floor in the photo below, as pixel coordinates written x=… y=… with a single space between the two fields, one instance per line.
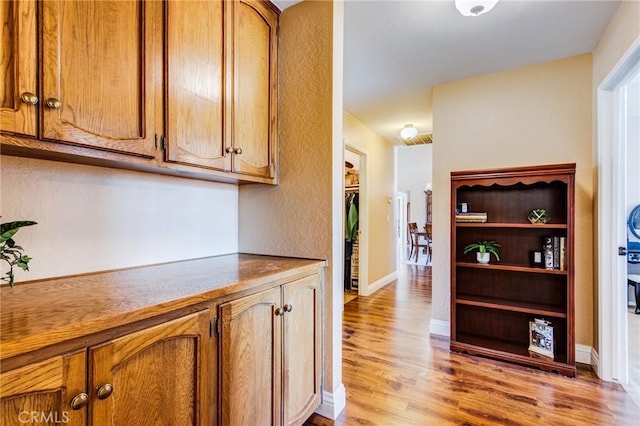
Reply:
x=395 y=374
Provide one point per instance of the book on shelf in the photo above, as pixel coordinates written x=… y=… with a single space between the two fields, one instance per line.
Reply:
x=541 y=339
x=471 y=217
x=554 y=252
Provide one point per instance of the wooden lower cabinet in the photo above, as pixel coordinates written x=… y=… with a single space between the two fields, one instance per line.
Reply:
x=156 y=376
x=270 y=355
x=41 y=393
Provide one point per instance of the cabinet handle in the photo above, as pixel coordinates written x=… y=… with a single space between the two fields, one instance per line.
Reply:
x=79 y=401
x=53 y=103
x=29 y=98
x=104 y=391
x=238 y=151
x=229 y=150
x=288 y=308
x=279 y=312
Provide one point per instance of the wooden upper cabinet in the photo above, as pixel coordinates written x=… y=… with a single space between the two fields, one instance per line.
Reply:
x=301 y=349
x=155 y=376
x=18 y=67
x=97 y=74
x=195 y=77
x=250 y=338
x=45 y=392
x=254 y=130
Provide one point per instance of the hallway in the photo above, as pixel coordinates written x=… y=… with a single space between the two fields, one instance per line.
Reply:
x=395 y=374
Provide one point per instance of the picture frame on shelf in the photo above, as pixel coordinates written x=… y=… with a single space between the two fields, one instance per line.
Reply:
x=536 y=260
x=541 y=344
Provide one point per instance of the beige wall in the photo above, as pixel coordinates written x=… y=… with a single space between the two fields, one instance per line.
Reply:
x=539 y=114
x=94 y=218
x=380 y=173
x=295 y=217
x=621 y=33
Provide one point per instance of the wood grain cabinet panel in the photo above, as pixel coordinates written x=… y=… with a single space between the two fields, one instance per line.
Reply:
x=301 y=359
x=41 y=393
x=250 y=338
x=195 y=78
x=18 y=67
x=97 y=75
x=254 y=88
x=158 y=375
x=270 y=355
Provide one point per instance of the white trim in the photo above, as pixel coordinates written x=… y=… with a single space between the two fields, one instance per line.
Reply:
x=377 y=285
x=583 y=354
x=612 y=341
x=332 y=354
x=439 y=328
x=332 y=403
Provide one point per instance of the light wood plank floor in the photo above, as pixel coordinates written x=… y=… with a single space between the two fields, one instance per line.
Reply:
x=395 y=374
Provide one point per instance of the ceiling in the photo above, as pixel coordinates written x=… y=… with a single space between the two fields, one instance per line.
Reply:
x=395 y=51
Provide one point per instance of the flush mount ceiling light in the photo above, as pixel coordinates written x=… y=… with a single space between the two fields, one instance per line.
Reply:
x=408 y=132
x=474 y=7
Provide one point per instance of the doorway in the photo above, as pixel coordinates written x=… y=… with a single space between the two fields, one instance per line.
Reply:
x=356 y=280
x=618 y=100
x=414 y=177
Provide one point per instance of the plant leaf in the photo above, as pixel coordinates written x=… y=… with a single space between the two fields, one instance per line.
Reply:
x=9 y=229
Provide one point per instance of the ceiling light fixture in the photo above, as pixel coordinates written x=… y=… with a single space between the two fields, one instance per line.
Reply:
x=474 y=7
x=408 y=132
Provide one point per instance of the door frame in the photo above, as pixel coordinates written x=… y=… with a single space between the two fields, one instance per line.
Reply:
x=611 y=232
x=363 y=218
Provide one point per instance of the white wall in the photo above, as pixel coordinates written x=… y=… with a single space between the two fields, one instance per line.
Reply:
x=94 y=218
x=414 y=173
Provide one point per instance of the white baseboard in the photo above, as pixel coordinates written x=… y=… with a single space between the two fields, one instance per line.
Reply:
x=583 y=354
x=377 y=285
x=333 y=403
x=439 y=328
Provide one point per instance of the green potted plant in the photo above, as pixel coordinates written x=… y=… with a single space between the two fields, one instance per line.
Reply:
x=484 y=250
x=10 y=252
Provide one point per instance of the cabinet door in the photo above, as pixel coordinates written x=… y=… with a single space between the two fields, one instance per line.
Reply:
x=18 y=91
x=195 y=83
x=41 y=393
x=301 y=355
x=97 y=74
x=250 y=341
x=158 y=376
x=254 y=91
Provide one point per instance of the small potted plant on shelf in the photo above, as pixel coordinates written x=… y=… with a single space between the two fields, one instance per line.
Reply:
x=484 y=250
x=10 y=252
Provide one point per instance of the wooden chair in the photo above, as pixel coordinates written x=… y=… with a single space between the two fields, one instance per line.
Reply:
x=416 y=245
x=428 y=229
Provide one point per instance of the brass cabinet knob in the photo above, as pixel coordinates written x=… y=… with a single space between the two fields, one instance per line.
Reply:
x=238 y=151
x=79 y=401
x=54 y=103
x=104 y=391
x=288 y=308
x=279 y=312
x=29 y=98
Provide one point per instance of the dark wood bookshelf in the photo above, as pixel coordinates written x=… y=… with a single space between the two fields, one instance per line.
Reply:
x=492 y=304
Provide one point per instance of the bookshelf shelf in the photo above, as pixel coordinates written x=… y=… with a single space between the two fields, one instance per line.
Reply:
x=492 y=304
x=514 y=268
x=511 y=225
